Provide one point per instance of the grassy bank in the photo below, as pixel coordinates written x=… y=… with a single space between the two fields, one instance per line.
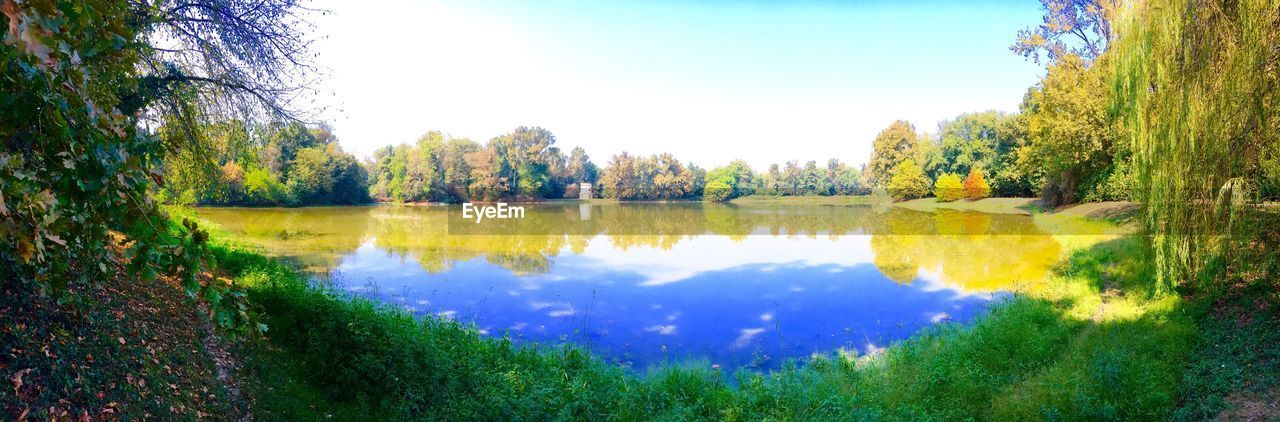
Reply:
x=1025 y=206
x=1091 y=342
x=1116 y=212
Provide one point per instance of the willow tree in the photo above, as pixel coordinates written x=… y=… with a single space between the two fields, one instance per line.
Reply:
x=1196 y=86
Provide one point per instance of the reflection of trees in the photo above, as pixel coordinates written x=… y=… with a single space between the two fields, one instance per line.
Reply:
x=969 y=250
x=422 y=233
x=317 y=237
x=972 y=251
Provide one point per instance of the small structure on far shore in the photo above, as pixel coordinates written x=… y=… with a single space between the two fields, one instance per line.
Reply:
x=584 y=191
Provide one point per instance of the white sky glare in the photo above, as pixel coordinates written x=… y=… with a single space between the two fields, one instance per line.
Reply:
x=707 y=81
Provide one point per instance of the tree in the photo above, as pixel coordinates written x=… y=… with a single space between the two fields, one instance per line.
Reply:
x=1071 y=27
x=284 y=140
x=699 y=177
x=772 y=180
x=975 y=185
x=262 y=188
x=324 y=174
x=892 y=146
x=350 y=180
x=454 y=170
x=850 y=181
x=791 y=181
x=1194 y=84
x=647 y=178
x=232 y=178
x=78 y=167
x=1071 y=137
x=1011 y=175
x=948 y=188
x=908 y=181
x=811 y=178
x=717 y=190
x=520 y=164
x=970 y=140
x=671 y=179
x=489 y=180
x=619 y=177
x=557 y=172
x=737 y=176
x=309 y=180
x=580 y=167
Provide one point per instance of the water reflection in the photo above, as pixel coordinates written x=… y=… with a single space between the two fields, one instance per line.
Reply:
x=641 y=283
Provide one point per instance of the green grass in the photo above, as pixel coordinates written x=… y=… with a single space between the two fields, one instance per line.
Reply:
x=1024 y=206
x=1092 y=342
x=1237 y=357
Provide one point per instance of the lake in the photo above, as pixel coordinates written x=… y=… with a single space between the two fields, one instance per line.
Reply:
x=738 y=286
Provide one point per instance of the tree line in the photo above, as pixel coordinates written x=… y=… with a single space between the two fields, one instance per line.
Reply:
x=293 y=165
x=524 y=164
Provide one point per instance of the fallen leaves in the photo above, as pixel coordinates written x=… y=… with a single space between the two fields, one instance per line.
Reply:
x=17 y=379
x=140 y=349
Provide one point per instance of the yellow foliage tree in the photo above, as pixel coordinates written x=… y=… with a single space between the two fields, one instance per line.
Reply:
x=975 y=186
x=948 y=188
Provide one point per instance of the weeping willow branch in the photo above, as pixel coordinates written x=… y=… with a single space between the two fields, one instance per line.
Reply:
x=1195 y=87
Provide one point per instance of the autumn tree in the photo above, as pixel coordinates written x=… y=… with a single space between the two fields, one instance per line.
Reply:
x=1071 y=137
x=975 y=185
x=454 y=170
x=491 y=172
x=629 y=177
x=908 y=181
x=892 y=146
x=948 y=188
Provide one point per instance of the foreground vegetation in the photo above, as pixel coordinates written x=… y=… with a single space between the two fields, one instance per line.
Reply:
x=1179 y=115
x=1095 y=341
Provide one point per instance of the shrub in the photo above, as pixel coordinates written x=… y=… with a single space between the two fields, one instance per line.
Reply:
x=717 y=191
x=975 y=186
x=948 y=188
x=908 y=181
x=262 y=188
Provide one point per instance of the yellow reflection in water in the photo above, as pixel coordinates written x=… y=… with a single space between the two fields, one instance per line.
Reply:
x=971 y=251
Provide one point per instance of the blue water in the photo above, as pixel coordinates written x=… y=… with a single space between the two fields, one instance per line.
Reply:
x=732 y=286
x=733 y=313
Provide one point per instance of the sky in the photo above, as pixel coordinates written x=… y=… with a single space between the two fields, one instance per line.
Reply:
x=709 y=81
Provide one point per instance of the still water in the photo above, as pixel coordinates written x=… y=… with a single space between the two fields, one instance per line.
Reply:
x=739 y=286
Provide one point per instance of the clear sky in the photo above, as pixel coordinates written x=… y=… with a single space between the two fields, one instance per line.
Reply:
x=710 y=81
